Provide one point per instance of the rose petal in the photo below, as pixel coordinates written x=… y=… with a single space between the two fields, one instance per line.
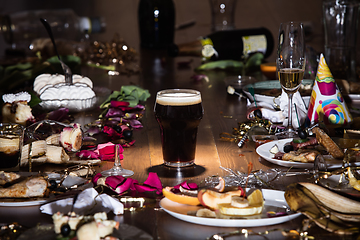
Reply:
x=111 y=132
x=135 y=123
x=114 y=181
x=128 y=144
x=112 y=112
x=154 y=181
x=128 y=184
x=96 y=178
x=58 y=115
x=145 y=188
x=117 y=104
x=107 y=150
x=189 y=186
x=93 y=130
x=275 y=214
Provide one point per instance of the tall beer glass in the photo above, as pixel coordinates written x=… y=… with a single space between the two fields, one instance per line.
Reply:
x=178 y=112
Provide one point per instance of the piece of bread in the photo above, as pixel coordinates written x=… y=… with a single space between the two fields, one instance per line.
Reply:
x=301 y=155
x=324 y=140
x=31 y=187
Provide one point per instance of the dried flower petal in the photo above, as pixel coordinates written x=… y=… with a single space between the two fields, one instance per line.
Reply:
x=154 y=181
x=111 y=132
x=106 y=151
x=96 y=178
x=188 y=186
x=58 y=115
x=120 y=184
x=114 y=112
x=93 y=130
x=199 y=77
x=272 y=214
x=118 y=104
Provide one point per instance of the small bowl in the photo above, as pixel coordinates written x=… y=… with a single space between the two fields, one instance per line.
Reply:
x=238 y=82
x=269 y=70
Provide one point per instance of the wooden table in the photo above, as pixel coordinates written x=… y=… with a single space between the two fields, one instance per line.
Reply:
x=222 y=113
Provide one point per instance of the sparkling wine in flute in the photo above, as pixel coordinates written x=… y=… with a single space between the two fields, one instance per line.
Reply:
x=290 y=79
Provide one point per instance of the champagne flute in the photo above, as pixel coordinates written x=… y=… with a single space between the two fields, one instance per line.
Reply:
x=117 y=169
x=290 y=64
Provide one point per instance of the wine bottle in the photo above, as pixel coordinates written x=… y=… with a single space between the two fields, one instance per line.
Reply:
x=229 y=44
x=156 y=23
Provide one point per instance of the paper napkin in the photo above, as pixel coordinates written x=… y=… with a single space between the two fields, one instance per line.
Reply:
x=88 y=202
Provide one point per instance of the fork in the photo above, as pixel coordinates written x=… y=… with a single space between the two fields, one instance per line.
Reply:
x=66 y=69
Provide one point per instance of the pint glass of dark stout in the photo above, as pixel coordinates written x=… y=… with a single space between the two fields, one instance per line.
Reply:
x=178 y=112
x=11 y=136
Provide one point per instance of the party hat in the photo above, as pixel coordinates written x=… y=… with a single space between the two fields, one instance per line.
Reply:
x=327 y=105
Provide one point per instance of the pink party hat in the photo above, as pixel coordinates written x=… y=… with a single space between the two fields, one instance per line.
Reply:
x=327 y=105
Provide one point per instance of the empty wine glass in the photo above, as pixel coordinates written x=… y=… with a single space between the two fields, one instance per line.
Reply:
x=117 y=169
x=290 y=64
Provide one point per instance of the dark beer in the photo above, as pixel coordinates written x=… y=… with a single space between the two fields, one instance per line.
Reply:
x=178 y=113
x=10 y=142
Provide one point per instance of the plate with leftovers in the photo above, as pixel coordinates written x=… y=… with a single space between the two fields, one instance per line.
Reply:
x=22 y=202
x=47 y=232
x=274 y=203
x=268 y=90
x=338 y=181
x=265 y=151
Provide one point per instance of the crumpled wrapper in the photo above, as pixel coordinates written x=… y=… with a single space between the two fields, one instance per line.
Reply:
x=88 y=202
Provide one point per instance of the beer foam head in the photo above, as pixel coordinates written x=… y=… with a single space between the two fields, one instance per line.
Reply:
x=178 y=97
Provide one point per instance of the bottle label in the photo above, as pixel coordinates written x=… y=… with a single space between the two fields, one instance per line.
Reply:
x=255 y=43
x=208 y=49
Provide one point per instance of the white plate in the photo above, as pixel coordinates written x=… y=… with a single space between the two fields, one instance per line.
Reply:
x=46 y=232
x=264 y=152
x=274 y=201
x=269 y=85
x=22 y=202
x=275 y=84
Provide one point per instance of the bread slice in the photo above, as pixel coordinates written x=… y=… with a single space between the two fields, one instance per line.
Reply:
x=330 y=146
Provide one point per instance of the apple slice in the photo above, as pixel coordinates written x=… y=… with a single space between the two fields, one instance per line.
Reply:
x=211 y=199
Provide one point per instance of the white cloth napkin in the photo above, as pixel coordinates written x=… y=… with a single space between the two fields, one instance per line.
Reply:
x=88 y=202
x=300 y=106
x=268 y=112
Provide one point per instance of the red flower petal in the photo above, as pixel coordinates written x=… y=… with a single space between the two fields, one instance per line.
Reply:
x=145 y=188
x=154 y=181
x=96 y=178
x=112 y=112
x=114 y=181
x=189 y=186
x=117 y=104
x=111 y=132
x=128 y=184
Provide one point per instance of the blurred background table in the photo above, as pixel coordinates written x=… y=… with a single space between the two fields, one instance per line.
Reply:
x=222 y=113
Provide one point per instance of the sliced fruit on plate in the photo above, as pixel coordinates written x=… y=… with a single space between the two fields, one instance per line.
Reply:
x=211 y=199
x=244 y=207
x=180 y=198
x=228 y=209
x=255 y=198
